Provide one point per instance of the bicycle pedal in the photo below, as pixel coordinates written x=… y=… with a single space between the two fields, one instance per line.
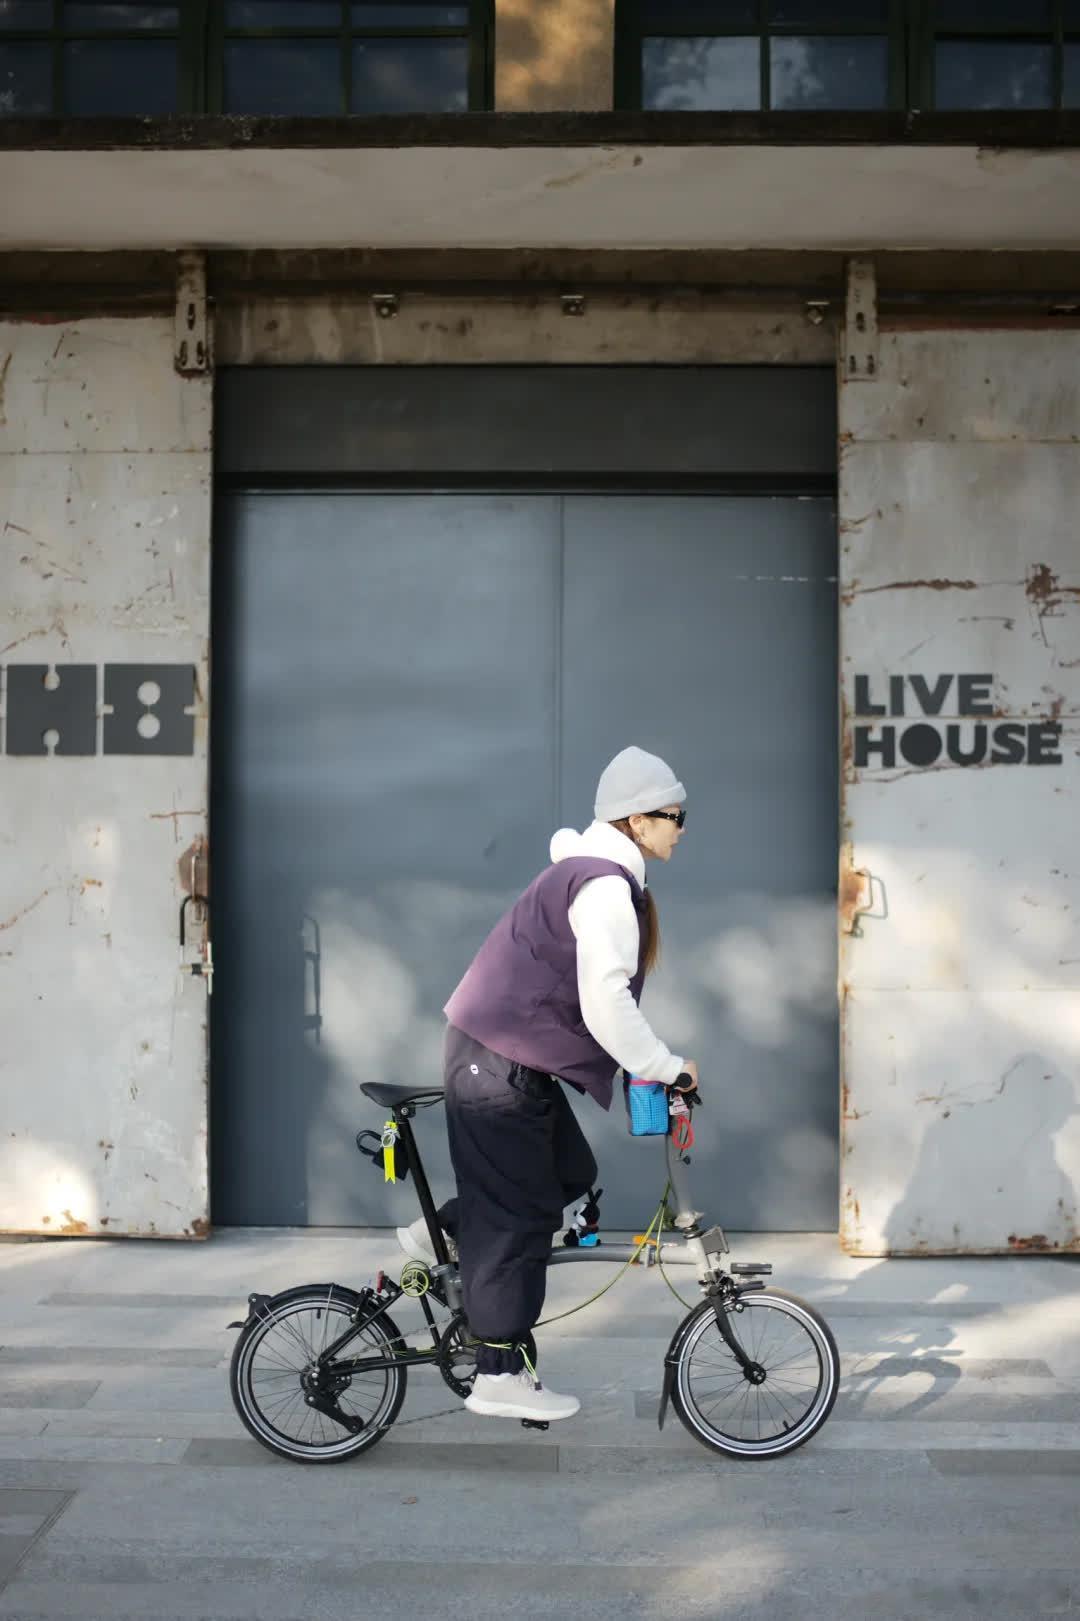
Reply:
x=749 y=1269
x=534 y=1423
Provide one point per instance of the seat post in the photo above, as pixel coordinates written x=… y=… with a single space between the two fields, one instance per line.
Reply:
x=402 y=1115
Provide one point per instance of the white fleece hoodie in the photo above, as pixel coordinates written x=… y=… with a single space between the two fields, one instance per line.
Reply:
x=605 y=926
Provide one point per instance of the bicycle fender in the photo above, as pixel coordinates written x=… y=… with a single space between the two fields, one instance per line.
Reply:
x=671 y=1364
x=260 y=1305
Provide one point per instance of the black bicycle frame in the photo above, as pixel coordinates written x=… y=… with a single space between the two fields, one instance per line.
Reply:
x=402 y=1115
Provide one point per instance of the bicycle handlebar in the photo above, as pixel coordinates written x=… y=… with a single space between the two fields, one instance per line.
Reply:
x=689 y=1092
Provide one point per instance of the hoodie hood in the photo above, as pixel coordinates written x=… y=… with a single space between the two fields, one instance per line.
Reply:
x=601 y=841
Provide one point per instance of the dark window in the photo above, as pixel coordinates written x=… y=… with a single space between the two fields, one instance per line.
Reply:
x=120 y=78
x=283 y=76
x=1070 y=90
x=993 y=73
x=313 y=58
x=25 y=13
x=25 y=80
x=829 y=71
x=698 y=74
x=736 y=55
x=804 y=55
x=410 y=76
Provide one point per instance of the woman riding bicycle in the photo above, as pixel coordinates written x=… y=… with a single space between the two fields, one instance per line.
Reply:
x=552 y=995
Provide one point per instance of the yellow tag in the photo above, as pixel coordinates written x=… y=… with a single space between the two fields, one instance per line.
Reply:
x=389 y=1138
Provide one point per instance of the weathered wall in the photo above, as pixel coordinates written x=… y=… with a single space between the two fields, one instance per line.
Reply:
x=554 y=57
x=483 y=329
x=105 y=485
x=960 y=488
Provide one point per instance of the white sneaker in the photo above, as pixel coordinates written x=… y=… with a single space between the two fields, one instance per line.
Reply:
x=416 y=1242
x=516 y=1395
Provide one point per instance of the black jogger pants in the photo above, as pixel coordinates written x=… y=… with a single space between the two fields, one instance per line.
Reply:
x=519 y=1158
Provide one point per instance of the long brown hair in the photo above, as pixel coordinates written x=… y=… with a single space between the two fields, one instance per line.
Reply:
x=652 y=916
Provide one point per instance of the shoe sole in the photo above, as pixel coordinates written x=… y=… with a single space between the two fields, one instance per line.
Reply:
x=413 y=1250
x=490 y=1409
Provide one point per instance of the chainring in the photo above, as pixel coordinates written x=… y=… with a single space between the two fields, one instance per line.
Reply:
x=457 y=1351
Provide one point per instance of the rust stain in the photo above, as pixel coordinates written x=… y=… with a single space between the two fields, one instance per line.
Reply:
x=10 y=922
x=1042 y=584
x=918 y=585
x=90 y=883
x=74 y=1225
x=200 y=1227
x=851 y=890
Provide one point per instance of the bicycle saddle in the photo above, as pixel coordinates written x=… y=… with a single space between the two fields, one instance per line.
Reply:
x=391 y=1096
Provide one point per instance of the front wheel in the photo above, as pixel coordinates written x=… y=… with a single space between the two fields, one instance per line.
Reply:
x=275 y=1382
x=779 y=1401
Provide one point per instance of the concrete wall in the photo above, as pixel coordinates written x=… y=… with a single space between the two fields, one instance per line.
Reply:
x=960 y=485
x=105 y=487
x=557 y=56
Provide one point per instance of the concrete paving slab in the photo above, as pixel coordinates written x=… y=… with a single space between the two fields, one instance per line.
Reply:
x=604 y=1517
x=46 y=1393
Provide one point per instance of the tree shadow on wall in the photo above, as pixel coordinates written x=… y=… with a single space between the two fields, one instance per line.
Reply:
x=1007 y=1162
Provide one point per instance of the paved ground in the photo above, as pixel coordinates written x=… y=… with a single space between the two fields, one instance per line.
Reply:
x=946 y=1484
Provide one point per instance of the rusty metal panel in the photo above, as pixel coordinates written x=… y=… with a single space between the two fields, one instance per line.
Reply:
x=105 y=468
x=480 y=328
x=960 y=893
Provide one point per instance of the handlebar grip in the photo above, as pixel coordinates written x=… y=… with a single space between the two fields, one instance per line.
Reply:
x=689 y=1091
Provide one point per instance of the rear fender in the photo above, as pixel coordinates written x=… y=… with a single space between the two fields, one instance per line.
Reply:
x=260 y=1305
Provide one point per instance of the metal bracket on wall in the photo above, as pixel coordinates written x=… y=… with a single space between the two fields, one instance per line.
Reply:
x=861 y=322
x=191 y=344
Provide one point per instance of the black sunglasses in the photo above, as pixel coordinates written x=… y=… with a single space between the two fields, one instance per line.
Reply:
x=678 y=817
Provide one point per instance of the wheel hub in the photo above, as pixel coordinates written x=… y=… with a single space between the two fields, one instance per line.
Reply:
x=754 y=1373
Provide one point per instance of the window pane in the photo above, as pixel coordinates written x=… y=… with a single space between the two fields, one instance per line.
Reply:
x=120 y=78
x=1070 y=96
x=680 y=75
x=993 y=73
x=410 y=76
x=297 y=76
x=25 y=13
x=282 y=14
x=829 y=71
x=91 y=15
x=982 y=16
x=707 y=16
x=25 y=79
x=404 y=16
x=830 y=13
x=1071 y=11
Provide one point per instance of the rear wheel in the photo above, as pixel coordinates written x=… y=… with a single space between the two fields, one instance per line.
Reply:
x=780 y=1400
x=276 y=1384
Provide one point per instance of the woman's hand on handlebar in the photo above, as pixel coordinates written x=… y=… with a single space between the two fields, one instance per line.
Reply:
x=687 y=1080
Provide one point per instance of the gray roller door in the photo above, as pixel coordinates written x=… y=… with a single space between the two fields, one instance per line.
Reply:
x=411 y=692
x=412 y=688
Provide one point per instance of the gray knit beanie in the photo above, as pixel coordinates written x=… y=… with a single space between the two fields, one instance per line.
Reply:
x=635 y=782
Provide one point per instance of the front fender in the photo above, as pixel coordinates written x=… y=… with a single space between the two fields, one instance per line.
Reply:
x=672 y=1356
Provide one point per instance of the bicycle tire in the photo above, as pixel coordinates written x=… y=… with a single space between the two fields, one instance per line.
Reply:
x=788 y=1433
x=281 y=1317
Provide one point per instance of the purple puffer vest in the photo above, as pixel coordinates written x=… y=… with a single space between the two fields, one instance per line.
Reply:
x=520 y=995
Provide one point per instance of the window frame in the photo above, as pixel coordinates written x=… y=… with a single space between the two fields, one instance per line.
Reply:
x=630 y=35
x=911 y=30
x=200 y=36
